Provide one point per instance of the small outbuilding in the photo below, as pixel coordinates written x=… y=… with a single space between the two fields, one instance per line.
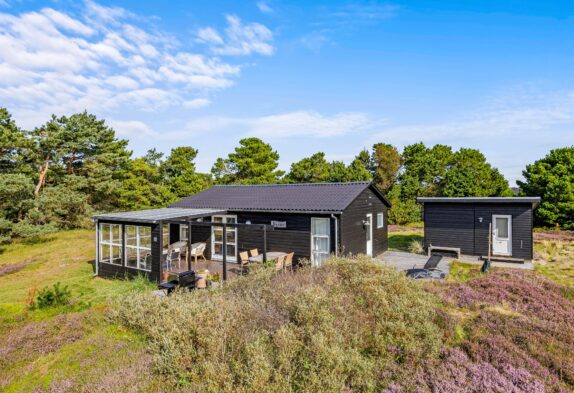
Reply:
x=497 y=226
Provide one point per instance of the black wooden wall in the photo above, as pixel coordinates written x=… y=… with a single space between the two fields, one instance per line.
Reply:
x=354 y=235
x=458 y=225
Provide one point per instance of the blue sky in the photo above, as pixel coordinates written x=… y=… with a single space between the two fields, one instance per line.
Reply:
x=332 y=76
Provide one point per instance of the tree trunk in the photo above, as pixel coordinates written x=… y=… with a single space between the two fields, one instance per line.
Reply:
x=42 y=176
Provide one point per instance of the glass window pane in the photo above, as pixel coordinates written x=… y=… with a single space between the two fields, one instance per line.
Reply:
x=218 y=248
x=144 y=259
x=117 y=234
x=502 y=227
x=105 y=253
x=130 y=232
x=321 y=244
x=218 y=235
x=105 y=232
x=320 y=226
x=230 y=235
x=117 y=255
x=230 y=251
x=230 y=220
x=217 y=219
x=132 y=257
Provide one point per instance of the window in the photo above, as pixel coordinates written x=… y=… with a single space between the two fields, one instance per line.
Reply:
x=217 y=238
x=380 y=220
x=111 y=244
x=320 y=240
x=138 y=247
x=183 y=232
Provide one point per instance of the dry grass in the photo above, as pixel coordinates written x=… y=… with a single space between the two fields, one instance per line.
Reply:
x=58 y=349
x=342 y=326
x=555 y=259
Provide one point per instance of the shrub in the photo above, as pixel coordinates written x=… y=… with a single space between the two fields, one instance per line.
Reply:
x=416 y=247
x=50 y=297
x=340 y=326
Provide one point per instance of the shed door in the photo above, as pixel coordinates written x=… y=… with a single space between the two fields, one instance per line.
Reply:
x=501 y=234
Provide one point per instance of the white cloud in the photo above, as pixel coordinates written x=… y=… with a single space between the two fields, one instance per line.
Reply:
x=512 y=113
x=197 y=103
x=264 y=7
x=239 y=39
x=131 y=128
x=106 y=58
x=285 y=125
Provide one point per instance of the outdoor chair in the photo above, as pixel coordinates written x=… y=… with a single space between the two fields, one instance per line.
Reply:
x=244 y=260
x=197 y=250
x=289 y=261
x=280 y=263
x=173 y=257
x=254 y=252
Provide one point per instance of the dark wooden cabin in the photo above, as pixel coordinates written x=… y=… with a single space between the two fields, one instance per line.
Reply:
x=468 y=223
x=313 y=220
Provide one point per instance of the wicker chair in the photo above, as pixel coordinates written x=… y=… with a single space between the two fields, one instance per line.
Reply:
x=197 y=250
x=254 y=252
x=289 y=261
x=244 y=260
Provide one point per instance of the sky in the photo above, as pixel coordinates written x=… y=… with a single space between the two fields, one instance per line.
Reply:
x=304 y=76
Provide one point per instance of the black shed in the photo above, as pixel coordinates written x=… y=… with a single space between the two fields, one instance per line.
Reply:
x=469 y=223
x=311 y=220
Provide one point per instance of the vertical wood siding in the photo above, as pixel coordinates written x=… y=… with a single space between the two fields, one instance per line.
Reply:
x=353 y=235
x=457 y=225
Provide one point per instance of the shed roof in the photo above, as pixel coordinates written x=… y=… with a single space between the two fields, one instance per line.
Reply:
x=157 y=215
x=535 y=201
x=292 y=198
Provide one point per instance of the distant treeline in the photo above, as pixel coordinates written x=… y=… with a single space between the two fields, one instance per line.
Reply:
x=57 y=175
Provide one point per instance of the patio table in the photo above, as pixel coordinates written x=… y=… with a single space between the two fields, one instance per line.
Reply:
x=271 y=255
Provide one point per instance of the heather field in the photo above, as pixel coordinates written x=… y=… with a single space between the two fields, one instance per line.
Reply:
x=351 y=325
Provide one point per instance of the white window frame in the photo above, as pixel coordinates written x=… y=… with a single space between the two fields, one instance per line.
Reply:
x=183 y=228
x=224 y=217
x=140 y=250
x=380 y=220
x=110 y=242
x=314 y=236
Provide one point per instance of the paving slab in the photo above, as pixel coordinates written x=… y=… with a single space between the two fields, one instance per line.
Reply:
x=402 y=260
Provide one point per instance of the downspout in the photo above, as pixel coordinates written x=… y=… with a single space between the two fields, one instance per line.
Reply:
x=334 y=217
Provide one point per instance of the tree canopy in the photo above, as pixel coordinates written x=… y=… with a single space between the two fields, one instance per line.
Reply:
x=58 y=174
x=253 y=162
x=552 y=178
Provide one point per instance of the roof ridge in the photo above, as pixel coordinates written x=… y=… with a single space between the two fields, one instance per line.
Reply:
x=294 y=184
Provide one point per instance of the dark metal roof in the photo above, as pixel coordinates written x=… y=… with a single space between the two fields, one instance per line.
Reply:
x=533 y=200
x=155 y=215
x=293 y=198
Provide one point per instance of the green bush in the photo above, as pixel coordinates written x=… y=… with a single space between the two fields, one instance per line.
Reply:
x=51 y=297
x=344 y=325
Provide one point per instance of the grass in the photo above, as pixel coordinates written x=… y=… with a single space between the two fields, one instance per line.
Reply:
x=348 y=327
x=66 y=348
x=554 y=258
x=402 y=240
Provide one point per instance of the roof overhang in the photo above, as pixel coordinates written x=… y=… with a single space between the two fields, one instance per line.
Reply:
x=154 y=216
x=535 y=201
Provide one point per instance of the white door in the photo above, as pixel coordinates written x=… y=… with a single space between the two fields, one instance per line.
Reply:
x=217 y=238
x=369 y=228
x=501 y=234
x=320 y=240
